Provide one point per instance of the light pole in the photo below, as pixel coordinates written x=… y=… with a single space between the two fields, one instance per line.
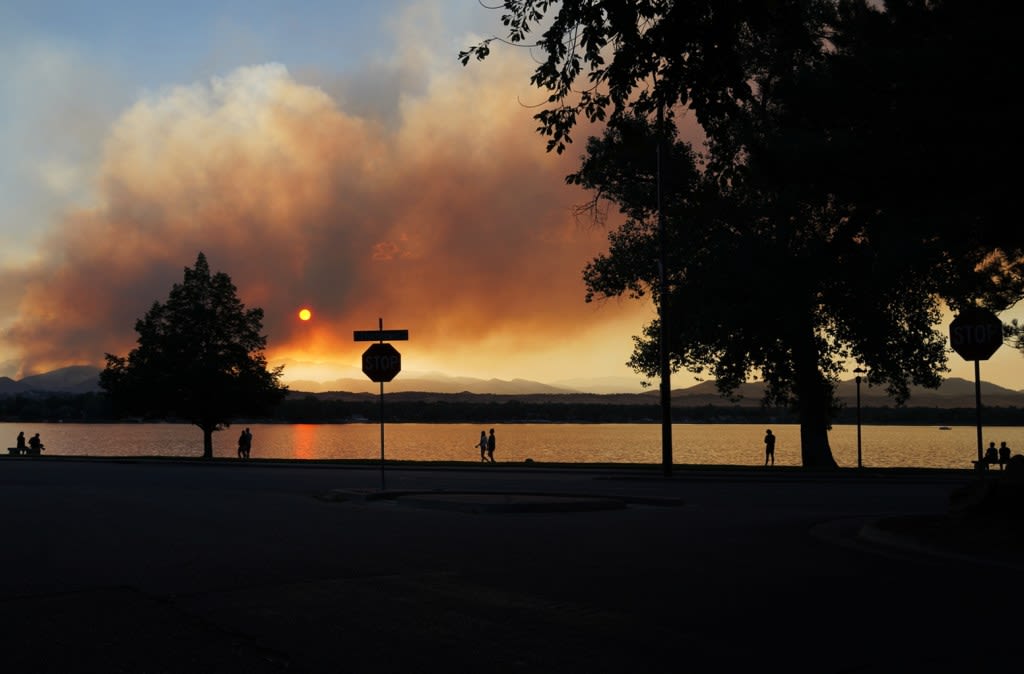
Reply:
x=663 y=355
x=858 y=371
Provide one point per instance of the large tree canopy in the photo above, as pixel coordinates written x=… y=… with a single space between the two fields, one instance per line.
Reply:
x=199 y=357
x=850 y=188
x=754 y=287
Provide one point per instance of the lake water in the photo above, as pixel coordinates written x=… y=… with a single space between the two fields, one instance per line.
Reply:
x=712 y=444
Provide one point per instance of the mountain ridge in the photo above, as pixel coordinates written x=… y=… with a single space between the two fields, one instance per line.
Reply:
x=953 y=392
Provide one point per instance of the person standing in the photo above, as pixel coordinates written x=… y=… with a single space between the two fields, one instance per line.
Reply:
x=769 y=447
x=483 y=446
x=241 y=445
x=248 y=441
x=21 y=446
x=490 y=446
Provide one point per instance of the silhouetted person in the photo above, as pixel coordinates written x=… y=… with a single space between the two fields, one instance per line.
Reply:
x=35 y=444
x=241 y=445
x=991 y=454
x=769 y=447
x=490 y=446
x=1004 y=455
x=248 y=441
x=22 y=447
x=483 y=446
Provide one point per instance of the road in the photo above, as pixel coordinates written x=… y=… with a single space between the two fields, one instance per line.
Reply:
x=174 y=567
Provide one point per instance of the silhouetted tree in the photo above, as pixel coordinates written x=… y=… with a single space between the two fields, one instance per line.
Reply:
x=751 y=289
x=1013 y=332
x=199 y=357
x=843 y=197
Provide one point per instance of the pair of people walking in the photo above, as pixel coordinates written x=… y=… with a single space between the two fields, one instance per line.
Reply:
x=486 y=445
x=244 y=444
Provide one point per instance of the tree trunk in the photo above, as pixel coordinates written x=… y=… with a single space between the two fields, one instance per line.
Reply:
x=813 y=400
x=207 y=440
x=815 y=451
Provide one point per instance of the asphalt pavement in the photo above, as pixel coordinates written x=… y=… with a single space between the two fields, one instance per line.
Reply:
x=223 y=566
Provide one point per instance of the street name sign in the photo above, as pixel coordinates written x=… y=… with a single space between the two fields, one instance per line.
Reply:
x=380 y=335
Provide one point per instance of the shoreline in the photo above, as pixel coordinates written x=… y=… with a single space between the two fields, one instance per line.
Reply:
x=641 y=468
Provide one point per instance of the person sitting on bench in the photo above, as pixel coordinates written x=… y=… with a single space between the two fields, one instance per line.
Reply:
x=35 y=444
x=1004 y=455
x=991 y=455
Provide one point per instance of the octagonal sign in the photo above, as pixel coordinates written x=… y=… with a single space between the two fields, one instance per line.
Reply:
x=976 y=333
x=381 y=362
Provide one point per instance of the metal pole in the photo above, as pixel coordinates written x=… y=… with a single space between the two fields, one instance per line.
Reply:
x=380 y=327
x=666 y=372
x=977 y=403
x=859 y=464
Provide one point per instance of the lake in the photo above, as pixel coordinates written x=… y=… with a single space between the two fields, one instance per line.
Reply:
x=711 y=444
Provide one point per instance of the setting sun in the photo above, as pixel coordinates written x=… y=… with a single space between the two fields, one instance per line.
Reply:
x=305 y=314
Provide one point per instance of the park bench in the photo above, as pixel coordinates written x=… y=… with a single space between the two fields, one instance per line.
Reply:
x=983 y=465
x=24 y=451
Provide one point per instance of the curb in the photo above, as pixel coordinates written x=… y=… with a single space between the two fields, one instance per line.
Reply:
x=872 y=533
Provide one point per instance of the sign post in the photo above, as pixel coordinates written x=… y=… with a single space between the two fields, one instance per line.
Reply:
x=976 y=334
x=381 y=362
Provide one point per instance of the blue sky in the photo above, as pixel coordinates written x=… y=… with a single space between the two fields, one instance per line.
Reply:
x=156 y=43
x=97 y=58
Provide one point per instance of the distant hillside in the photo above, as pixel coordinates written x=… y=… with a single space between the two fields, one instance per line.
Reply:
x=953 y=393
x=950 y=395
x=432 y=383
x=73 y=379
x=10 y=387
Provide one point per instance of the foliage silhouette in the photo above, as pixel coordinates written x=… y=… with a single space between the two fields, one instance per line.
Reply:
x=199 y=358
x=841 y=203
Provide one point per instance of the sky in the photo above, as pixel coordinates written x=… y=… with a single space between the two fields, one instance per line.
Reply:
x=333 y=155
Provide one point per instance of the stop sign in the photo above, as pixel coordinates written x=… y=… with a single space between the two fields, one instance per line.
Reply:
x=381 y=362
x=976 y=333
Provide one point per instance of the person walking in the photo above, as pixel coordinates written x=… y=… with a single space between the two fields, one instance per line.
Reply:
x=769 y=447
x=490 y=446
x=483 y=446
x=241 y=445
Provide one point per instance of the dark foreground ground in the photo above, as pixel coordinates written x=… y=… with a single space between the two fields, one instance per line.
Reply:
x=176 y=566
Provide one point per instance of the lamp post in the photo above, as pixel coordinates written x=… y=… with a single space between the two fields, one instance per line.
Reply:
x=663 y=351
x=858 y=371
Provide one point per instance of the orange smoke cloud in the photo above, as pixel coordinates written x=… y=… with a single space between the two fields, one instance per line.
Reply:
x=454 y=224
